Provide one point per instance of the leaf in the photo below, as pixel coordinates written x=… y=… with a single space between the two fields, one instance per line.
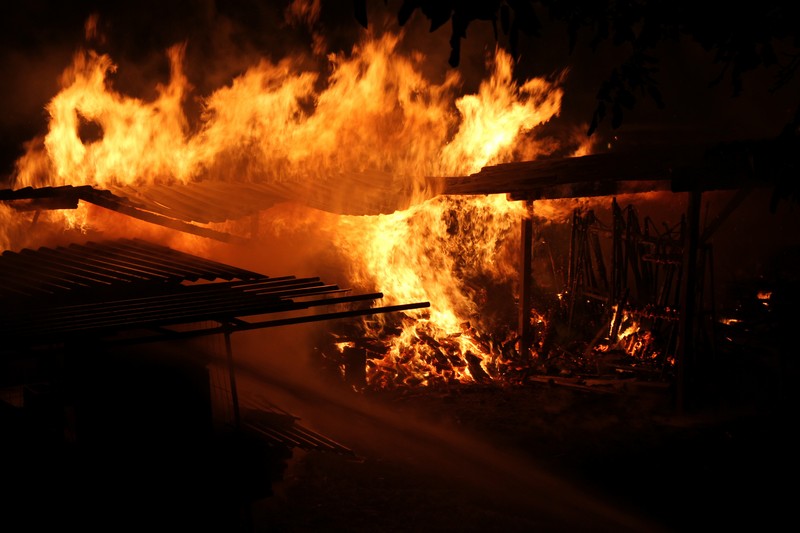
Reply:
x=598 y=115
x=360 y=12
x=406 y=10
x=438 y=13
x=616 y=116
x=455 y=51
x=625 y=98
x=655 y=94
x=459 y=23
x=505 y=18
x=526 y=17
x=768 y=56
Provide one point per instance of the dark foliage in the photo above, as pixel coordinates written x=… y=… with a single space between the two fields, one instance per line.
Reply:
x=741 y=37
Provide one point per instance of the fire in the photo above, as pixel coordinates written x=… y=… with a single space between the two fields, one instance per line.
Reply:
x=440 y=251
x=494 y=118
x=135 y=141
x=374 y=111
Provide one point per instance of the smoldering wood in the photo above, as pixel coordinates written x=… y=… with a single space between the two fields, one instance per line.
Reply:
x=643 y=269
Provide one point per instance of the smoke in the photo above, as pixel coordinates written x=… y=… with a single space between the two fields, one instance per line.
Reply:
x=273 y=364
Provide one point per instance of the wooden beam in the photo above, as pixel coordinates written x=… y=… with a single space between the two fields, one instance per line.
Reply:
x=525 y=281
x=685 y=358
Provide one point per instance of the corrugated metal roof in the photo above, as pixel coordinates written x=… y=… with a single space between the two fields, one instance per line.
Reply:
x=669 y=167
x=277 y=427
x=190 y=207
x=140 y=291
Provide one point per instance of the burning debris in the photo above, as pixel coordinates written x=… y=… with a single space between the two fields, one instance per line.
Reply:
x=282 y=127
x=398 y=182
x=608 y=313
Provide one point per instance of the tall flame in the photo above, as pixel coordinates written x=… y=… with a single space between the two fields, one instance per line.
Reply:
x=138 y=141
x=375 y=111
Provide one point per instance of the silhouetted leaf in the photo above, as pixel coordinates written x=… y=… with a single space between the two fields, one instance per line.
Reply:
x=459 y=23
x=455 y=50
x=513 y=39
x=768 y=56
x=597 y=117
x=616 y=116
x=626 y=99
x=406 y=10
x=739 y=38
x=360 y=12
x=438 y=13
x=526 y=17
x=505 y=18
x=655 y=94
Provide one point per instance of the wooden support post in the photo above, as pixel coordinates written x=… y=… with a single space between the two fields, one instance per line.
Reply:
x=572 y=275
x=232 y=376
x=685 y=359
x=616 y=253
x=526 y=278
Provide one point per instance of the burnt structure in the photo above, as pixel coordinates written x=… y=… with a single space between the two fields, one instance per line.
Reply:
x=664 y=273
x=105 y=392
x=113 y=416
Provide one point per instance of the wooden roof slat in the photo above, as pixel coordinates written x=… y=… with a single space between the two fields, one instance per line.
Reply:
x=283 y=288
x=672 y=167
x=167 y=202
x=107 y=256
x=16 y=274
x=192 y=208
x=53 y=270
x=208 y=264
x=96 y=277
x=97 y=319
x=108 y=200
x=101 y=269
x=127 y=291
x=191 y=301
x=304 y=291
x=186 y=311
x=227 y=203
x=193 y=270
x=123 y=309
x=145 y=261
x=124 y=269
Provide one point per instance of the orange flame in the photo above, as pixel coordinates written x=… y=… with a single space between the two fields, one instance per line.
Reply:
x=376 y=111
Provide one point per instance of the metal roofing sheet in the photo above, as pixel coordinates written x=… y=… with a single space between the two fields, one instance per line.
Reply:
x=190 y=207
x=101 y=289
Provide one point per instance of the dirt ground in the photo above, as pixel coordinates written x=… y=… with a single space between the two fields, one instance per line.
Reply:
x=533 y=457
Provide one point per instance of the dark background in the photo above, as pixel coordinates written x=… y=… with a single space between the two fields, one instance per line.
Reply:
x=706 y=72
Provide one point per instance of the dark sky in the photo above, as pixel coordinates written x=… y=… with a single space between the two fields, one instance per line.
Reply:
x=39 y=38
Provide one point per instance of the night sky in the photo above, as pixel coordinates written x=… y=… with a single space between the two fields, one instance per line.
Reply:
x=223 y=39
